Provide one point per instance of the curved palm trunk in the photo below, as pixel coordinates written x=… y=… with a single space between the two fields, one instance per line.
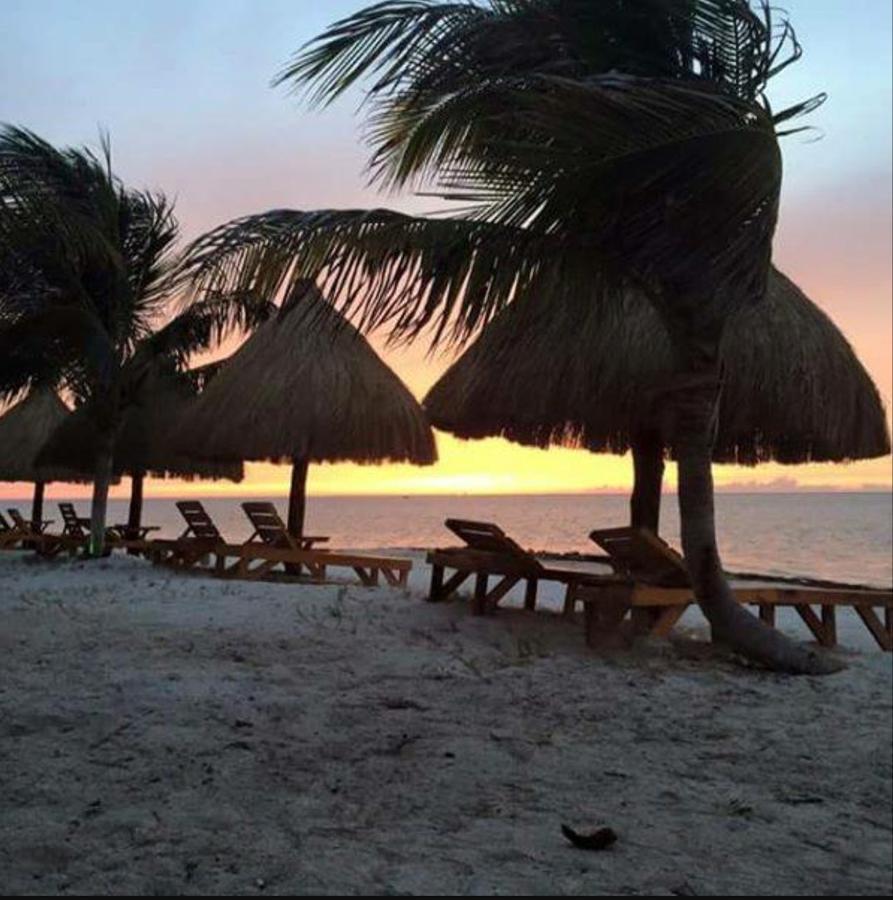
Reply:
x=101 y=480
x=648 y=469
x=730 y=622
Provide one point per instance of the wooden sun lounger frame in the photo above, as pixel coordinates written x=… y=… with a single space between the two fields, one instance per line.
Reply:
x=253 y=562
x=259 y=556
x=194 y=546
x=654 y=603
x=490 y=552
x=43 y=543
x=10 y=535
x=269 y=529
x=271 y=545
x=77 y=528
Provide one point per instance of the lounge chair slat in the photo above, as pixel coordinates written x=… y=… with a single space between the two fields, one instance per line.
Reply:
x=642 y=555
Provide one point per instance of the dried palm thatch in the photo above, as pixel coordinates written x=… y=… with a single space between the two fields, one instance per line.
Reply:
x=145 y=439
x=24 y=429
x=306 y=387
x=544 y=375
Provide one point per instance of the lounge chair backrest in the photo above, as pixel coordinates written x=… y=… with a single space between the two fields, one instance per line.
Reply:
x=198 y=523
x=489 y=538
x=267 y=524
x=643 y=556
x=71 y=520
x=18 y=520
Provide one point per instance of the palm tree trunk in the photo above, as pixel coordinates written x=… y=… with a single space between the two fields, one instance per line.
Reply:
x=101 y=480
x=648 y=468
x=730 y=622
x=297 y=498
x=37 y=506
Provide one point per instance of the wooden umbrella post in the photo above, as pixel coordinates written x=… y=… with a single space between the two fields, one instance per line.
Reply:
x=135 y=513
x=648 y=463
x=37 y=506
x=297 y=498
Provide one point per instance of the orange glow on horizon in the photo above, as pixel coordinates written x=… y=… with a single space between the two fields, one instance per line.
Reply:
x=494 y=466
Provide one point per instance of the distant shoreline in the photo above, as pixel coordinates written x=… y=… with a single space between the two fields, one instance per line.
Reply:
x=123 y=490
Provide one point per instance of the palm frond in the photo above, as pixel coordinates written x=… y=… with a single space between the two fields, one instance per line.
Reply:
x=658 y=182
x=389 y=270
x=202 y=325
x=77 y=244
x=54 y=345
x=420 y=54
x=662 y=177
x=384 y=38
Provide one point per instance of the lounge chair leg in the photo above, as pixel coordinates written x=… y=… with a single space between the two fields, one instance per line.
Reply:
x=491 y=600
x=873 y=624
x=570 y=599
x=829 y=626
x=368 y=578
x=666 y=620
x=644 y=619
x=479 y=603
x=435 y=593
x=453 y=584
x=813 y=623
x=767 y=614
x=530 y=594
x=604 y=615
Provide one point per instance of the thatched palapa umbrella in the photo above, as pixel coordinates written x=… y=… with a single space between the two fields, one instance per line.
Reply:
x=145 y=442
x=305 y=388
x=546 y=374
x=24 y=429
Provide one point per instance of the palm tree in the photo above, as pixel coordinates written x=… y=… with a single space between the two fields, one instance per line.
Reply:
x=594 y=146
x=87 y=272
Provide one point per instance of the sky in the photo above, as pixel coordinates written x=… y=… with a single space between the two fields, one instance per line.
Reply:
x=183 y=88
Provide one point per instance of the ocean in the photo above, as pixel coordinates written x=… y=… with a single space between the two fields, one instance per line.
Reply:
x=838 y=536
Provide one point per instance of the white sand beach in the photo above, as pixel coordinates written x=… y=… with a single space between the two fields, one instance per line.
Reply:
x=166 y=734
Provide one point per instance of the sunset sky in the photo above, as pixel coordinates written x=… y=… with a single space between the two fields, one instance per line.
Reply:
x=183 y=88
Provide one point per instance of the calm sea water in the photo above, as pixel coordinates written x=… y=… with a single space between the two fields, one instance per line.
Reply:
x=846 y=537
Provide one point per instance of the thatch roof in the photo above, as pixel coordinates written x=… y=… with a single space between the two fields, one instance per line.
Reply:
x=145 y=441
x=24 y=429
x=541 y=374
x=307 y=385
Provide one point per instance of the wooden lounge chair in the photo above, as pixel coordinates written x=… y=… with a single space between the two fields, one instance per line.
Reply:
x=272 y=545
x=17 y=517
x=657 y=591
x=10 y=535
x=271 y=530
x=78 y=527
x=131 y=533
x=38 y=539
x=194 y=546
x=488 y=552
x=73 y=524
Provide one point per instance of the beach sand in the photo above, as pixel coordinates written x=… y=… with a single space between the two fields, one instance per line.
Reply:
x=167 y=734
